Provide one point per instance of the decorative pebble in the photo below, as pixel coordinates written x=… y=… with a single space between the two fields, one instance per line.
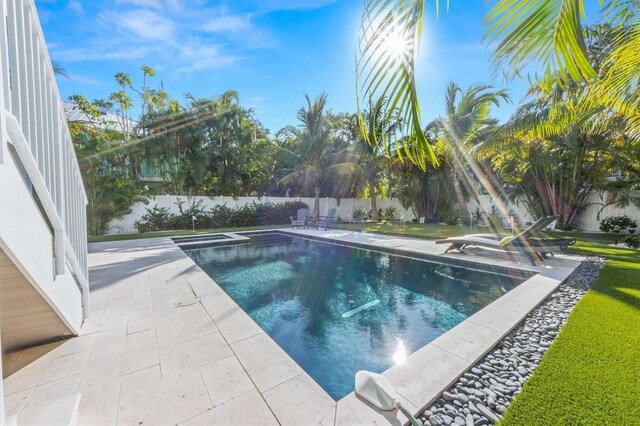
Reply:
x=482 y=394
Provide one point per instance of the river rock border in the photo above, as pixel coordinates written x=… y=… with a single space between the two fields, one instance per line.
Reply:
x=482 y=394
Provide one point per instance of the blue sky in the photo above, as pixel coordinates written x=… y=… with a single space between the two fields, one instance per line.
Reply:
x=271 y=51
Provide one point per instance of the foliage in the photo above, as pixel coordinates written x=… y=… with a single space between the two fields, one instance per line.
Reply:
x=155 y=219
x=254 y=214
x=618 y=224
x=389 y=214
x=451 y=216
x=360 y=214
x=467 y=125
x=387 y=44
x=583 y=377
x=111 y=191
x=310 y=154
x=632 y=241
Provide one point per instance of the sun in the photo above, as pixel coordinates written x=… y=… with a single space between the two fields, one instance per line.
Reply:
x=395 y=43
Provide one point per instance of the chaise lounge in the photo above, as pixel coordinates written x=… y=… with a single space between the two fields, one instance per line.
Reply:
x=534 y=248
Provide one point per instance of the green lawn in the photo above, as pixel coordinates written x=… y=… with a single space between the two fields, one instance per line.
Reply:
x=591 y=373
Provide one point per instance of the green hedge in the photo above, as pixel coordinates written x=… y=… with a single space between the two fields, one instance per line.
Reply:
x=254 y=214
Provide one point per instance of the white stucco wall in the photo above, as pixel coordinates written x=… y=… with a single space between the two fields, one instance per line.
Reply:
x=344 y=206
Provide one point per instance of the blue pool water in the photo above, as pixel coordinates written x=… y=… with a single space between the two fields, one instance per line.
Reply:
x=336 y=309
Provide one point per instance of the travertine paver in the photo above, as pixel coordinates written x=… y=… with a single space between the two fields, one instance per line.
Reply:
x=141 y=359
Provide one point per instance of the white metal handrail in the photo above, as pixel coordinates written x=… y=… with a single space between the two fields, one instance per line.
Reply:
x=33 y=114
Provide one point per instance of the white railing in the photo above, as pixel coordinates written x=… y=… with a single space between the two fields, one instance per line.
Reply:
x=34 y=118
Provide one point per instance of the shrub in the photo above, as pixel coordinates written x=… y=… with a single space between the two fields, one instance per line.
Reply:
x=155 y=219
x=632 y=241
x=184 y=220
x=451 y=216
x=618 y=224
x=389 y=214
x=360 y=214
x=160 y=218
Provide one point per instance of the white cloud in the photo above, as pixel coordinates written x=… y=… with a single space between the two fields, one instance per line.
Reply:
x=183 y=35
x=227 y=23
x=145 y=24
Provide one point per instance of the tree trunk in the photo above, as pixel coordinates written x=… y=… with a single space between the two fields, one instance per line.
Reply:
x=462 y=203
x=374 y=201
x=316 y=205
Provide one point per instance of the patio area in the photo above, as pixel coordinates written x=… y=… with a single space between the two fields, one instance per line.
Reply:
x=140 y=358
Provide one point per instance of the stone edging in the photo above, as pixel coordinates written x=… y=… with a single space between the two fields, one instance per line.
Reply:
x=483 y=393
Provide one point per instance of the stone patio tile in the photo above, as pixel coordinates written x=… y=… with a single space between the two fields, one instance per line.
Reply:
x=225 y=379
x=193 y=354
x=301 y=401
x=514 y=302
x=353 y=410
x=165 y=300
x=186 y=323
x=67 y=359
x=203 y=285
x=248 y=409
x=99 y=402
x=99 y=301
x=102 y=322
x=265 y=362
x=497 y=318
x=216 y=303
x=145 y=378
x=15 y=402
x=236 y=325
x=110 y=362
x=425 y=373
x=147 y=320
x=44 y=394
x=468 y=340
x=168 y=401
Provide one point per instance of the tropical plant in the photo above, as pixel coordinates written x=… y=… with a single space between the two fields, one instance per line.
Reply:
x=632 y=241
x=389 y=34
x=523 y=33
x=375 y=126
x=618 y=224
x=389 y=214
x=308 y=151
x=467 y=124
x=111 y=191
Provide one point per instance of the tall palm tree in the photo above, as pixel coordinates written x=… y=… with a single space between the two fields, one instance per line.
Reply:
x=313 y=158
x=377 y=129
x=467 y=123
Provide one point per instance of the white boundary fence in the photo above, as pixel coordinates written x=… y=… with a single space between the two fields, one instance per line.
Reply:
x=344 y=207
x=587 y=221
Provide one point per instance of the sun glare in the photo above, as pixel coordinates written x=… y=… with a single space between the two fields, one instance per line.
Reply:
x=395 y=43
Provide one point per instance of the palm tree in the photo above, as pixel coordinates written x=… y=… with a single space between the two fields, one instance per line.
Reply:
x=312 y=158
x=377 y=129
x=523 y=32
x=466 y=124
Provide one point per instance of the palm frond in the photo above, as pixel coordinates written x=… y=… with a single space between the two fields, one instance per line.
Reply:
x=387 y=44
x=546 y=32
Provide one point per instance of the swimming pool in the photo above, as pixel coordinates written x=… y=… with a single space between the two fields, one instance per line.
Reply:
x=337 y=309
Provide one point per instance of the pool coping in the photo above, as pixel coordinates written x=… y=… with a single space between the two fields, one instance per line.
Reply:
x=421 y=378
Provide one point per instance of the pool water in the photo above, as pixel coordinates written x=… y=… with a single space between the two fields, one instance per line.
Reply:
x=336 y=309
